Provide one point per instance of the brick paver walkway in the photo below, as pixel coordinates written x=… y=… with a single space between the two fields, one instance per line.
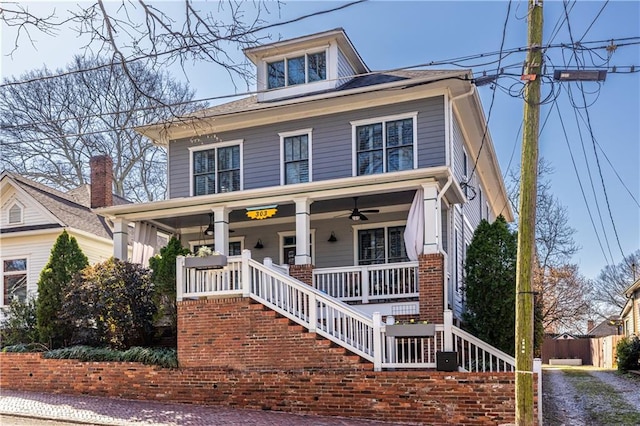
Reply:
x=107 y=411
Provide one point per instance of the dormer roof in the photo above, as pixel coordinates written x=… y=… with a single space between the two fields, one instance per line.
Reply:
x=305 y=65
x=309 y=42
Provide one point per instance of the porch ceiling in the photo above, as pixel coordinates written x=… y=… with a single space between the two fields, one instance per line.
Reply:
x=328 y=196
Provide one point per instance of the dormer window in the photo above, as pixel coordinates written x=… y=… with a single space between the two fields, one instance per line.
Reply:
x=297 y=70
x=15 y=214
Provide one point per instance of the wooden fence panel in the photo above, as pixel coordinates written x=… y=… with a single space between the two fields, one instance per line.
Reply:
x=599 y=352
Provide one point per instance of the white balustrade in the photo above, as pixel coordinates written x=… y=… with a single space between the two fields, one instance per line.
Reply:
x=368 y=283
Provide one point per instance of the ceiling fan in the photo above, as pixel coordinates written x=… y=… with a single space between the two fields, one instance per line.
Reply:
x=357 y=215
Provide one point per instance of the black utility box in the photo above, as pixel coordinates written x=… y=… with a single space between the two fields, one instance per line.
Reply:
x=447 y=361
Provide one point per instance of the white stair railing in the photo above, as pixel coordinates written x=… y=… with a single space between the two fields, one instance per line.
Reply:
x=313 y=309
x=476 y=355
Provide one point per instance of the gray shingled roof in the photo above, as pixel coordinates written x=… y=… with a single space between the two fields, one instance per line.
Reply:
x=364 y=82
x=64 y=207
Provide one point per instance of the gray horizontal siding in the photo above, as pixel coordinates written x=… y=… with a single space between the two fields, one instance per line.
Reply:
x=332 y=145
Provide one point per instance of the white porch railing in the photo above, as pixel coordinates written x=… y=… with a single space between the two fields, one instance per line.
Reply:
x=368 y=283
x=335 y=320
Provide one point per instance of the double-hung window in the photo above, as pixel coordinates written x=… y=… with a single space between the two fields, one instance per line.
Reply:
x=14 y=280
x=216 y=168
x=296 y=156
x=385 y=145
x=381 y=245
x=300 y=69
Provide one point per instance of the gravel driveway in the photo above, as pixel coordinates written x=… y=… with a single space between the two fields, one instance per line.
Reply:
x=589 y=396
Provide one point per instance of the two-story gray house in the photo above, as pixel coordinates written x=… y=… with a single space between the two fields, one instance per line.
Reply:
x=364 y=185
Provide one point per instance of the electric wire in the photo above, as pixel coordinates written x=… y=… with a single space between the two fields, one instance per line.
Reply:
x=582 y=192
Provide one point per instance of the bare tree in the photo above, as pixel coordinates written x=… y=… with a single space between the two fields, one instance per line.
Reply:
x=564 y=292
x=613 y=280
x=565 y=298
x=50 y=128
x=155 y=33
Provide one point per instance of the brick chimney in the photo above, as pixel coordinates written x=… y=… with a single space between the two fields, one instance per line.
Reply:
x=101 y=181
x=590 y=325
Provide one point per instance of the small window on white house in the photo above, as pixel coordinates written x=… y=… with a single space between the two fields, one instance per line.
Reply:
x=15 y=214
x=14 y=280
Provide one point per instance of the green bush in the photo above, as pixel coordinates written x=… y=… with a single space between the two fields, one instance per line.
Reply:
x=66 y=260
x=628 y=350
x=163 y=276
x=150 y=356
x=111 y=304
x=19 y=324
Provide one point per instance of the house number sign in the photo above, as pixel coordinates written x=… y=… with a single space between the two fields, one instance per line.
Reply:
x=263 y=212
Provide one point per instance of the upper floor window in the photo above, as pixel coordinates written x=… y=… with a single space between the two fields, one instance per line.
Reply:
x=14 y=280
x=296 y=156
x=385 y=145
x=302 y=69
x=15 y=214
x=216 y=168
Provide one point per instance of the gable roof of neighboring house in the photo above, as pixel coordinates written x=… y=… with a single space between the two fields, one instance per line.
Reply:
x=607 y=327
x=632 y=288
x=66 y=208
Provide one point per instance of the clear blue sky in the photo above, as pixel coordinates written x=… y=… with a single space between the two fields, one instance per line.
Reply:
x=394 y=34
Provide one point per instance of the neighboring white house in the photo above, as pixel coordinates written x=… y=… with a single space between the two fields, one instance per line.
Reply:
x=33 y=215
x=319 y=172
x=631 y=312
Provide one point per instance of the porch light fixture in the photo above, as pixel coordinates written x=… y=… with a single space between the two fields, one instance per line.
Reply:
x=259 y=245
x=580 y=75
x=332 y=238
x=209 y=230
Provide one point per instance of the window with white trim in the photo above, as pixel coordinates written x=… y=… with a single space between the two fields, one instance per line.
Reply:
x=15 y=214
x=216 y=168
x=381 y=245
x=14 y=280
x=296 y=156
x=305 y=68
x=288 y=247
x=385 y=145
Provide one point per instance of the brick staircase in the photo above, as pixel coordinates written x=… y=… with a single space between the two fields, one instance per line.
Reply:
x=242 y=334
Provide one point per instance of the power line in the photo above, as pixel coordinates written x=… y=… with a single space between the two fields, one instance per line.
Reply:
x=584 y=197
x=493 y=97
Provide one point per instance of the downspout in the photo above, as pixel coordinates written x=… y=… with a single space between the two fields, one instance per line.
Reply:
x=439 y=236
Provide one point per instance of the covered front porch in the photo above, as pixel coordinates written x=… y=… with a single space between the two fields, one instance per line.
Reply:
x=369 y=259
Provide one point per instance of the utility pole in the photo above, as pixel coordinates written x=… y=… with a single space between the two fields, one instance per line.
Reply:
x=527 y=220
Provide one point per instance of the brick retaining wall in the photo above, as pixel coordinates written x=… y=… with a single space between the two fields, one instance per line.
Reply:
x=428 y=397
x=238 y=353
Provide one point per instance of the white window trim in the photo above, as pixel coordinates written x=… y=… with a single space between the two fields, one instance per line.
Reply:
x=194 y=243
x=21 y=207
x=193 y=149
x=384 y=119
x=3 y=274
x=283 y=234
x=376 y=225
x=301 y=132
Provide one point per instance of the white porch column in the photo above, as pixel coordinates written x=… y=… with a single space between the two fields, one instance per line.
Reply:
x=221 y=229
x=303 y=231
x=431 y=218
x=120 y=239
